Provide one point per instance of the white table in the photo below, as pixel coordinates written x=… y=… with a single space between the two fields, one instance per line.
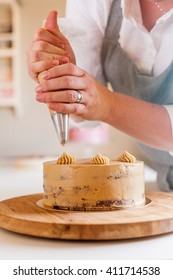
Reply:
x=22 y=177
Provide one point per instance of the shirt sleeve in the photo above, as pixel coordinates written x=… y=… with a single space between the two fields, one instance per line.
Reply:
x=88 y=23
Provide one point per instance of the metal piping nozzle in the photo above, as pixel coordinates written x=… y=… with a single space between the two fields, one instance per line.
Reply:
x=61 y=124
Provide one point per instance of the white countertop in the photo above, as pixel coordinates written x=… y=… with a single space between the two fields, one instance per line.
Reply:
x=22 y=177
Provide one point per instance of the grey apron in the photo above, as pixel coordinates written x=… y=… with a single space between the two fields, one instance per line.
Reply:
x=124 y=77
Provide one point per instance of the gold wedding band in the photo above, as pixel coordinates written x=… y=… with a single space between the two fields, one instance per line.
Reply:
x=79 y=97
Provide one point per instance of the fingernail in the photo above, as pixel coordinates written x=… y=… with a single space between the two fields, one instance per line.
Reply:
x=55 y=62
x=39 y=97
x=45 y=75
x=39 y=89
x=64 y=59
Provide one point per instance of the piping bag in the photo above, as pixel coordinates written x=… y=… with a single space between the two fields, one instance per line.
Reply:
x=60 y=122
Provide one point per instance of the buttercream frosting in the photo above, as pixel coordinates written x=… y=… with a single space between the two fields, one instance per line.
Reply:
x=99 y=159
x=66 y=159
x=126 y=157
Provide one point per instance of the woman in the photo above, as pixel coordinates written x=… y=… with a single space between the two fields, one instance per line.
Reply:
x=135 y=57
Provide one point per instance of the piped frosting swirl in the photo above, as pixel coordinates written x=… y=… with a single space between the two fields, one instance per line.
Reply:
x=126 y=157
x=99 y=159
x=66 y=159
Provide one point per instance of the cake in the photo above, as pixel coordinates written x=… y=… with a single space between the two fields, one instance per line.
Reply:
x=93 y=184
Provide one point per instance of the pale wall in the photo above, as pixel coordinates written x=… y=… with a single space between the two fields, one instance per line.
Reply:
x=33 y=132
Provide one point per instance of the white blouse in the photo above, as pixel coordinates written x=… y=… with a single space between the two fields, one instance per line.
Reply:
x=89 y=18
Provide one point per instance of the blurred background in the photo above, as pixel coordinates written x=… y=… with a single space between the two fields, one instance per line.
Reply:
x=25 y=125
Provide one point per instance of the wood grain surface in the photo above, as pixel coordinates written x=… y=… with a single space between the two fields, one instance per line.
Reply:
x=24 y=216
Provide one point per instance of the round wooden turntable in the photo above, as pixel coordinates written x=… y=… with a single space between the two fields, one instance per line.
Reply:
x=27 y=215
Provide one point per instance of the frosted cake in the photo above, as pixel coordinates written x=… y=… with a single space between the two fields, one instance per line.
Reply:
x=93 y=184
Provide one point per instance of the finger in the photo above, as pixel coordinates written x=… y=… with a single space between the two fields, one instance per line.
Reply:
x=63 y=70
x=51 y=22
x=40 y=55
x=74 y=108
x=60 y=83
x=45 y=35
x=44 y=46
x=65 y=96
x=40 y=66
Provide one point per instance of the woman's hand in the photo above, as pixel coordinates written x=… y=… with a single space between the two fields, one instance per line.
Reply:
x=48 y=48
x=59 y=91
x=123 y=112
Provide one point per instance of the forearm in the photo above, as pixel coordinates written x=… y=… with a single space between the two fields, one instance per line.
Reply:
x=149 y=123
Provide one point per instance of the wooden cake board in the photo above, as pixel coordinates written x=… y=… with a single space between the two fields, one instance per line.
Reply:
x=25 y=215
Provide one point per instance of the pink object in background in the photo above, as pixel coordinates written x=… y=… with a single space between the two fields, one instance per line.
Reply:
x=7 y=91
x=91 y=135
x=6 y=79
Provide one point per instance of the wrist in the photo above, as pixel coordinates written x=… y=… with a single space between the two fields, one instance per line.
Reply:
x=108 y=106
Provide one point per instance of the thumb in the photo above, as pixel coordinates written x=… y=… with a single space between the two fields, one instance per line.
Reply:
x=51 y=22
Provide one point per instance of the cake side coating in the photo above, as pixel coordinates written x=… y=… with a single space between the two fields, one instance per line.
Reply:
x=86 y=186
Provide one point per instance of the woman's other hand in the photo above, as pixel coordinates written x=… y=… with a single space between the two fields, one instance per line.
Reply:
x=48 y=48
